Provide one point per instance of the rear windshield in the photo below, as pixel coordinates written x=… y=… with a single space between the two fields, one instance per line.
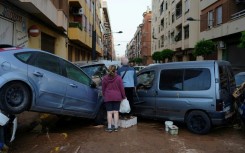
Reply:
x=185 y=79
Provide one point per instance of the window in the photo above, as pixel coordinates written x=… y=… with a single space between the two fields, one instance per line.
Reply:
x=186 y=31
x=171 y=80
x=145 y=80
x=24 y=57
x=210 y=19
x=187 y=5
x=197 y=79
x=178 y=10
x=219 y=15
x=162 y=41
x=48 y=62
x=173 y=16
x=192 y=79
x=76 y=74
x=172 y=37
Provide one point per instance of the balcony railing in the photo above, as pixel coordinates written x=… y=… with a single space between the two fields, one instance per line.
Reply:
x=238 y=15
x=76 y=25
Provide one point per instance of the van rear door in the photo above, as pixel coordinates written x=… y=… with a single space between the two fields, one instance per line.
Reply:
x=227 y=86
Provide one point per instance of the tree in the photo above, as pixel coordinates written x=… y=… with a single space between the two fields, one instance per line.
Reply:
x=204 y=47
x=138 y=60
x=156 y=56
x=167 y=53
x=242 y=43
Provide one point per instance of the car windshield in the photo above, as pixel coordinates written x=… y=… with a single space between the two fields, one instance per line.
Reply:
x=96 y=72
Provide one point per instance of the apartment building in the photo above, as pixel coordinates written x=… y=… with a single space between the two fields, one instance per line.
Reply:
x=84 y=32
x=223 y=21
x=172 y=30
x=140 y=45
x=35 y=24
x=108 y=47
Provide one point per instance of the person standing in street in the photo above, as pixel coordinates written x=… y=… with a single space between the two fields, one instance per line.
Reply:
x=129 y=77
x=113 y=93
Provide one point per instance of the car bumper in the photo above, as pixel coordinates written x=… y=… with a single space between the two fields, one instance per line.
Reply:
x=219 y=118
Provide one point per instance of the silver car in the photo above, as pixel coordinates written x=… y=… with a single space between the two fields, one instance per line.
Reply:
x=198 y=93
x=39 y=81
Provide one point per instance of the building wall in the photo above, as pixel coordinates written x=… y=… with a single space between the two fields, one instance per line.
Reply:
x=169 y=19
x=22 y=21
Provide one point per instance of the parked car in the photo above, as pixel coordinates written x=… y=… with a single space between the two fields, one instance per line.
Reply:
x=37 y=80
x=198 y=93
x=240 y=78
x=8 y=127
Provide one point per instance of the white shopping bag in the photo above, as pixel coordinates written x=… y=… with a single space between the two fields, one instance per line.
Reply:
x=124 y=106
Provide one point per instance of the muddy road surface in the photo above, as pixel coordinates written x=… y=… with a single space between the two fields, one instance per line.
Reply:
x=148 y=136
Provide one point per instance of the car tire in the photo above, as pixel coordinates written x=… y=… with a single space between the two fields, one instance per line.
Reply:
x=15 y=98
x=198 y=122
x=101 y=116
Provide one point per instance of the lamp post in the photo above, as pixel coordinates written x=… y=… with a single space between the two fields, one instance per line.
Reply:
x=94 y=34
x=110 y=46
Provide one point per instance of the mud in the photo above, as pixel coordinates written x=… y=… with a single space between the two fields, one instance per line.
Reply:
x=52 y=134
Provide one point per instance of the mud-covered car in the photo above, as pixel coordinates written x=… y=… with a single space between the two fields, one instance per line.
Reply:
x=37 y=80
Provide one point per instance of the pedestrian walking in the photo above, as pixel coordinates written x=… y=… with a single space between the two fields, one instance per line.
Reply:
x=113 y=93
x=129 y=77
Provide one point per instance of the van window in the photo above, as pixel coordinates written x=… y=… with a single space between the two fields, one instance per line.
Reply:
x=145 y=80
x=171 y=79
x=185 y=79
x=197 y=79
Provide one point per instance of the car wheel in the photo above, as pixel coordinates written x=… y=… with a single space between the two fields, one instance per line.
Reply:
x=15 y=98
x=198 y=122
x=101 y=116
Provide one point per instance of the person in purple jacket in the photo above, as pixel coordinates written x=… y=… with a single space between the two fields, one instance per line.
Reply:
x=113 y=93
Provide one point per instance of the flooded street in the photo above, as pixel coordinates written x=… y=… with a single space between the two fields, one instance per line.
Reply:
x=148 y=136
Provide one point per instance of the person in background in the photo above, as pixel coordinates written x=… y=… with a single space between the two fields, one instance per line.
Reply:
x=131 y=63
x=113 y=93
x=129 y=77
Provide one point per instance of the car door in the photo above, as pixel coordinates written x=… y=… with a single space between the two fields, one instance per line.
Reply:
x=44 y=71
x=145 y=103
x=80 y=96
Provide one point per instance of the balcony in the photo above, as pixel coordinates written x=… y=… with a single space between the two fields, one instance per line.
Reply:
x=76 y=33
x=45 y=11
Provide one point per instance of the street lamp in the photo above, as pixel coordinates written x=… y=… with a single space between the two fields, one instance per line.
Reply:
x=94 y=34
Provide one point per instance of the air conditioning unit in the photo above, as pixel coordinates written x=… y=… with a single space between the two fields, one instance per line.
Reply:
x=221 y=45
x=78 y=11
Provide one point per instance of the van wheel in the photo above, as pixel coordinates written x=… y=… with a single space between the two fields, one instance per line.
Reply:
x=198 y=122
x=101 y=116
x=15 y=98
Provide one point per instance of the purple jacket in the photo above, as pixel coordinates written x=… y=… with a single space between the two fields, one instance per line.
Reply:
x=112 y=88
